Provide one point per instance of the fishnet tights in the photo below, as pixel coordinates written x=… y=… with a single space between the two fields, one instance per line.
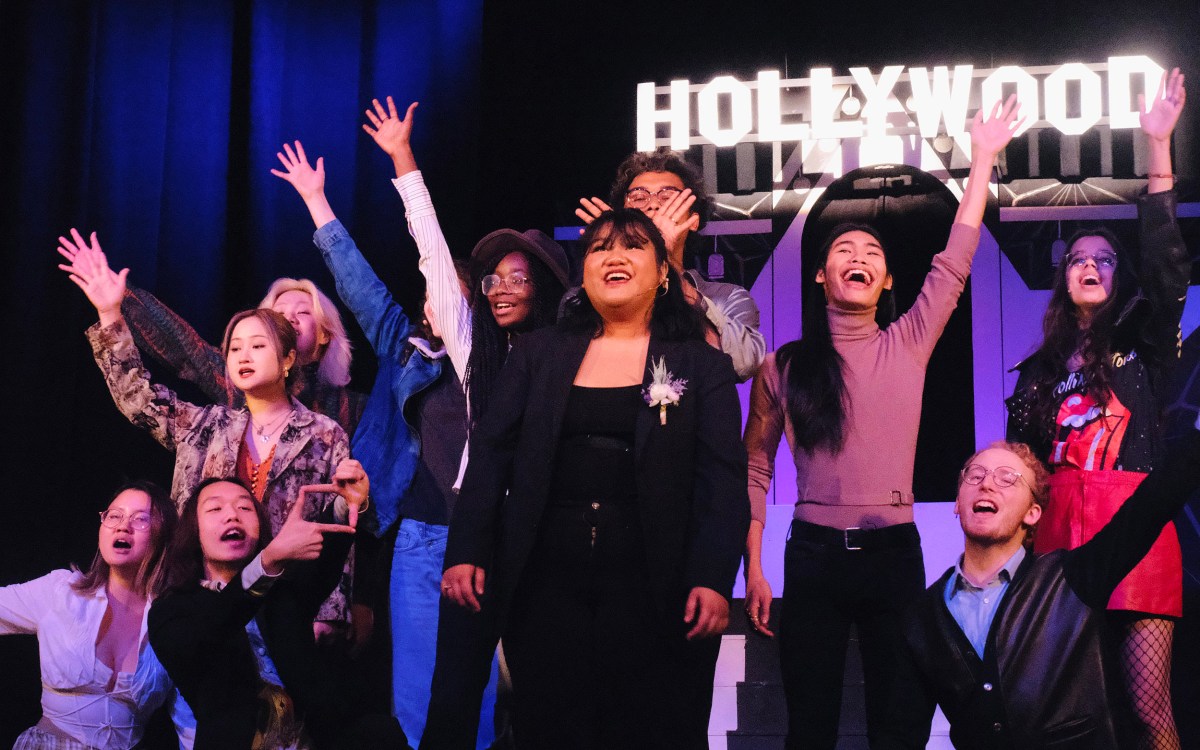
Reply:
x=1146 y=665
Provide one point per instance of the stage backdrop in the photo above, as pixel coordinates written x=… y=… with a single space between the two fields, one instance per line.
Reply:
x=156 y=124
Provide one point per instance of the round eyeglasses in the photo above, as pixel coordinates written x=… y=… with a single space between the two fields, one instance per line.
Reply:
x=640 y=197
x=514 y=282
x=1104 y=260
x=114 y=518
x=1003 y=476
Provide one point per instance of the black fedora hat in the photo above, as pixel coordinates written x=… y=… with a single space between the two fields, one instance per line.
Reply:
x=492 y=248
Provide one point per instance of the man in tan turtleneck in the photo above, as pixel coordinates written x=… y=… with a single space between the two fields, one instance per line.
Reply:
x=853 y=554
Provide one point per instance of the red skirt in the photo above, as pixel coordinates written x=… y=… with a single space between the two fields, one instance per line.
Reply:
x=1081 y=503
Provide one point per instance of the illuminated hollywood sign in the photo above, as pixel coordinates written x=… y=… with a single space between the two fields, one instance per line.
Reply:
x=1073 y=98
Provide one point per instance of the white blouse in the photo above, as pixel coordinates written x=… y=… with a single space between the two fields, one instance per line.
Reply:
x=74 y=683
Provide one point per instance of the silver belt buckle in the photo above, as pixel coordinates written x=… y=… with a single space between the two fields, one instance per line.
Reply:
x=846 y=537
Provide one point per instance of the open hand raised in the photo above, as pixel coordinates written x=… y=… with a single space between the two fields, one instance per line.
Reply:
x=88 y=268
x=388 y=131
x=990 y=136
x=308 y=182
x=1159 y=121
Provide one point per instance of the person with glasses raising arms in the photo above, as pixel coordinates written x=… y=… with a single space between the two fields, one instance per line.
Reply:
x=516 y=282
x=101 y=680
x=669 y=190
x=1014 y=646
x=1090 y=402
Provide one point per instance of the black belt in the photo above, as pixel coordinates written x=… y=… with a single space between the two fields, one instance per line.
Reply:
x=855 y=538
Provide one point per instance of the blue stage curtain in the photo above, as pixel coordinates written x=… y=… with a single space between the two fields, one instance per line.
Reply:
x=155 y=123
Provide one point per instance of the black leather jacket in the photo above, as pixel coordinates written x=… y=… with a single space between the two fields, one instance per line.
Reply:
x=1146 y=342
x=1045 y=680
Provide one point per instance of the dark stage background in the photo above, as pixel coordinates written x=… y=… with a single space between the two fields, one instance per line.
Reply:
x=155 y=124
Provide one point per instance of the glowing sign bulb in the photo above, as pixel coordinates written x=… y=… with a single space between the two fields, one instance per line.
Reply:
x=878 y=95
x=1121 y=112
x=826 y=98
x=1027 y=94
x=676 y=114
x=709 y=113
x=1090 y=107
x=770 y=114
x=943 y=99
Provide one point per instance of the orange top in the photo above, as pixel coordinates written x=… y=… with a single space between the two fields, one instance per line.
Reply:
x=255 y=475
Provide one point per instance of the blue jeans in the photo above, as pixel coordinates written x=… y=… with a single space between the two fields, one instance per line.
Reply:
x=415 y=592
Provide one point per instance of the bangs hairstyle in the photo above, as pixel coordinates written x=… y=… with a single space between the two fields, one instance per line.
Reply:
x=185 y=557
x=279 y=330
x=333 y=357
x=662 y=159
x=150 y=575
x=489 y=342
x=671 y=318
x=816 y=388
x=1062 y=335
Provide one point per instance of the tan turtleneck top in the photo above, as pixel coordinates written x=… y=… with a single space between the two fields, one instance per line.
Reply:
x=869 y=483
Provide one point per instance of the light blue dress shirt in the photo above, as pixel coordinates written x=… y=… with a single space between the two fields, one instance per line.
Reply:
x=974 y=608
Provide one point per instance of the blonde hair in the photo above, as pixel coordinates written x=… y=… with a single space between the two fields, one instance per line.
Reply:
x=334 y=367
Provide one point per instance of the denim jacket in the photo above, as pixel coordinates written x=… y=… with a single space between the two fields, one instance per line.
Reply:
x=385 y=442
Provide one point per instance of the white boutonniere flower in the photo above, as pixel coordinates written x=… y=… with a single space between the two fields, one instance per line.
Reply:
x=664 y=390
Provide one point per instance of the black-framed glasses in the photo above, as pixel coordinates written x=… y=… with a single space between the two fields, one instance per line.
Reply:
x=1003 y=476
x=514 y=282
x=114 y=518
x=640 y=197
x=1106 y=261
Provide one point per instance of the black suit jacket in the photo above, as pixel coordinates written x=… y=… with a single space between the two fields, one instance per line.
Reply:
x=1046 y=678
x=691 y=472
x=199 y=635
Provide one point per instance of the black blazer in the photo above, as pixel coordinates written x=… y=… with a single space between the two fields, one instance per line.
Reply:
x=199 y=635
x=691 y=472
x=1046 y=677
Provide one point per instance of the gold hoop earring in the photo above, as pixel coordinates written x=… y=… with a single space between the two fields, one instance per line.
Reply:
x=664 y=287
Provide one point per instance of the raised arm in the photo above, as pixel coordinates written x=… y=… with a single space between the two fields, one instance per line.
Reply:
x=1166 y=265
x=382 y=320
x=154 y=408
x=158 y=331
x=923 y=324
x=1094 y=569
x=988 y=138
x=1158 y=123
x=450 y=306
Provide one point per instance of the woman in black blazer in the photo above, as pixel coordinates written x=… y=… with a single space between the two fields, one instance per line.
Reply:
x=601 y=516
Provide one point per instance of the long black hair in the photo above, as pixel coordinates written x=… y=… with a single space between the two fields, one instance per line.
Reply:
x=1062 y=335
x=671 y=318
x=816 y=386
x=489 y=342
x=185 y=556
